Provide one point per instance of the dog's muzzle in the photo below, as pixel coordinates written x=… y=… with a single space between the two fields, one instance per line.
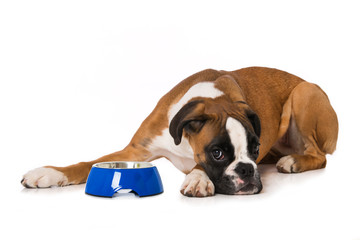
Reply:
x=244 y=180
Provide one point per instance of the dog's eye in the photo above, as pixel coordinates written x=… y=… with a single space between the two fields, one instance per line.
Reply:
x=217 y=154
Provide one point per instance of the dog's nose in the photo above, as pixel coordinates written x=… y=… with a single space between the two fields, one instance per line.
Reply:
x=244 y=170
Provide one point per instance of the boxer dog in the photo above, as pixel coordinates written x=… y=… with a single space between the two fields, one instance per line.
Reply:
x=216 y=126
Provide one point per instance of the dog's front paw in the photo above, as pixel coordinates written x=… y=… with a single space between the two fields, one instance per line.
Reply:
x=197 y=184
x=44 y=177
x=287 y=164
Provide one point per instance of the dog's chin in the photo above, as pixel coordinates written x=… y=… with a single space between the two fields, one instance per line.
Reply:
x=249 y=189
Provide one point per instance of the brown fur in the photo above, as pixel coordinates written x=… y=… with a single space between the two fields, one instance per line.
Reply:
x=276 y=96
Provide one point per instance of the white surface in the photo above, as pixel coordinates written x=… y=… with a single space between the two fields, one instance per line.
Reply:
x=78 y=77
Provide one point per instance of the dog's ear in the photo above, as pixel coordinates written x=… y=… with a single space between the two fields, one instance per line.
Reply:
x=254 y=120
x=252 y=117
x=190 y=118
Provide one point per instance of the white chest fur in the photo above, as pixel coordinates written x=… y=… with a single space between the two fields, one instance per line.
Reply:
x=182 y=155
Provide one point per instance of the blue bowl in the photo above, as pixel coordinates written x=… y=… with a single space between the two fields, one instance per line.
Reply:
x=106 y=179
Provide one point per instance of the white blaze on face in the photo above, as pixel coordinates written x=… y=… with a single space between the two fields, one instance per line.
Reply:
x=238 y=139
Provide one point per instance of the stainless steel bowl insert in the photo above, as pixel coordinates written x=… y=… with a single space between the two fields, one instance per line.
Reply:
x=123 y=165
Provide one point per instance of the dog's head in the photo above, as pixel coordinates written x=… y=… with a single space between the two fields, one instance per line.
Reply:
x=224 y=136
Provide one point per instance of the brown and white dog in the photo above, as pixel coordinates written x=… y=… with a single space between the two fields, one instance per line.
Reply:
x=215 y=126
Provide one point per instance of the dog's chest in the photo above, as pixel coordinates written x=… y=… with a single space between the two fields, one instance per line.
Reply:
x=181 y=155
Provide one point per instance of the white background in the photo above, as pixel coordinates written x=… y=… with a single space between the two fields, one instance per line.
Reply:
x=78 y=77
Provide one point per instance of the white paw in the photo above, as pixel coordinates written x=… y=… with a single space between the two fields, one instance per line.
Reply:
x=286 y=164
x=44 y=177
x=197 y=184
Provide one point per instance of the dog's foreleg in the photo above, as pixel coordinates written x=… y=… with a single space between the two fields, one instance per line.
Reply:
x=197 y=184
x=77 y=173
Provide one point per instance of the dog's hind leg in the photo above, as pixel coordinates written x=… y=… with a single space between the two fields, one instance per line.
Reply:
x=315 y=123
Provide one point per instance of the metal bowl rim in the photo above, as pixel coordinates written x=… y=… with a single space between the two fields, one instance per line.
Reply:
x=123 y=165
